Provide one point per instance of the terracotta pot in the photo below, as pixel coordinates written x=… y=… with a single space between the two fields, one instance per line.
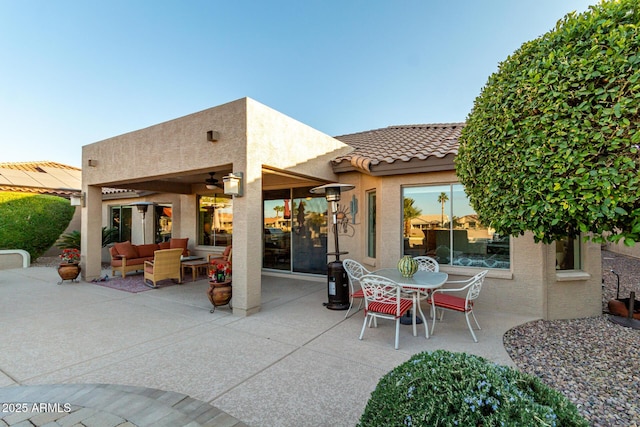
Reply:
x=219 y=293
x=68 y=271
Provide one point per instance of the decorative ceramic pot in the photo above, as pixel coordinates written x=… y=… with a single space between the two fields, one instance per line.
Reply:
x=407 y=266
x=219 y=293
x=68 y=271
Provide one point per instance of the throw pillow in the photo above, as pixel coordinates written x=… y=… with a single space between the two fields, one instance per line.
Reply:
x=126 y=249
x=180 y=243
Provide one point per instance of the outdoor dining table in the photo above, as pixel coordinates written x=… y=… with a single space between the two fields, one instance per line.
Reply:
x=421 y=281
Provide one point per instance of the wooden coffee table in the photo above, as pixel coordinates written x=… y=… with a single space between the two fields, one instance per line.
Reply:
x=195 y=265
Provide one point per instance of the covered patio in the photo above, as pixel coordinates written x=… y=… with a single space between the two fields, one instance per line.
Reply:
x=293 y=363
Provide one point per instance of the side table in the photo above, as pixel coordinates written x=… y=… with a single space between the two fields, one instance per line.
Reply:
x=220 y=293
x=195 y=266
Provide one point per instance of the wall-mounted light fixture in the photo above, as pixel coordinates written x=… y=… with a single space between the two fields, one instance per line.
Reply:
x=213 y=136
x=233 y=184
x=92 y=163
x=77 y=200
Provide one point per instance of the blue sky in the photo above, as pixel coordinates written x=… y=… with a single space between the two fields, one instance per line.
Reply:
x=78 y=71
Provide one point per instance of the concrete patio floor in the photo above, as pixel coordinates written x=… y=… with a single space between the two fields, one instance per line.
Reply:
x=295 y=363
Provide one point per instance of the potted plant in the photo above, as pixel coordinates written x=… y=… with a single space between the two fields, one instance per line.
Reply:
x=70 y=256
x=69 y=268
x=219 y=291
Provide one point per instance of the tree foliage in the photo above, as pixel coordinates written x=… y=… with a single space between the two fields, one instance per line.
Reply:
x=551 y=145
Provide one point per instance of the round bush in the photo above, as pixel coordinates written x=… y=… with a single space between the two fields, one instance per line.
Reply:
x=32 y=222
x=552 y=144
x=441 y=388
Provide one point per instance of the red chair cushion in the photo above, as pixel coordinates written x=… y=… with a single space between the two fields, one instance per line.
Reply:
x=450 y=302
x=379 y=307
x=226 y=252
x=358 y=294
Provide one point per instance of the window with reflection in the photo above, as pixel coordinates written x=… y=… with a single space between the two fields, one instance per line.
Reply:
x=120 y=219
x=568 y=253
x=215 y=220
x=438 y=221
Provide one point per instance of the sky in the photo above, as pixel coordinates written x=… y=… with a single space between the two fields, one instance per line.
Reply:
x=74 y=72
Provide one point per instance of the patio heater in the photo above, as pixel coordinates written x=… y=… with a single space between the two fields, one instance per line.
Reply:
x=337 y=281
x=142 y=208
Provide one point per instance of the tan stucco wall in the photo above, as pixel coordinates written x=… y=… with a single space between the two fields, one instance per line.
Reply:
x=575 y=294
x=622 y=249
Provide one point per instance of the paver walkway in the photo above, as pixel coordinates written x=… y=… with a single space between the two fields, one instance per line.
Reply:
x=106 y=405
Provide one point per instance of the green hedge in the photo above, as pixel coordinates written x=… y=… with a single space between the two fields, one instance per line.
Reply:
x=552 y=144
x=32 y=222
x=444 y=389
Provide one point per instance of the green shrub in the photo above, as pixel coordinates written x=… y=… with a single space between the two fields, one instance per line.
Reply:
x=441 y=388
x=552 y=144
x=32 y=222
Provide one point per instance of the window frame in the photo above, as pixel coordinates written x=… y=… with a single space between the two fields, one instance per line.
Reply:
x=497 y=261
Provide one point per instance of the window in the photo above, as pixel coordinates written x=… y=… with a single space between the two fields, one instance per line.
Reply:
x=162 y=222
x=568 y=254
x=120 y=219
x=438 y=221
x=371 y=224
x=215 y=220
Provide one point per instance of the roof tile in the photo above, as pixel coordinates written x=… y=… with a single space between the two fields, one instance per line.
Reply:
x=401 y=143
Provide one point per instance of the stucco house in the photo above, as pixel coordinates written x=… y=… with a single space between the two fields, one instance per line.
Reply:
x=406 y=200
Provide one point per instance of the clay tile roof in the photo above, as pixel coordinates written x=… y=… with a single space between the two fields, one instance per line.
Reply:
x=40 y=177
x=400 y=144
x=35 y=166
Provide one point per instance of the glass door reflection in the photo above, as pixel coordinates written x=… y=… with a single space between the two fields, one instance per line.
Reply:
x=276 y=237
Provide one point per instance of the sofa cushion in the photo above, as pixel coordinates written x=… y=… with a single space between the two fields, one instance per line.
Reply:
x=180 y=243
x=146 y=251
x=126 y=249
x=164 y=245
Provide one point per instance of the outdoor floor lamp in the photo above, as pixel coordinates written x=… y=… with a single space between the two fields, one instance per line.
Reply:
x=337 y=281
x=142 y=208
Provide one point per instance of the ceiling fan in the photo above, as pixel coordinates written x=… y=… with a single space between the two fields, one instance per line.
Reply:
x=211 y=182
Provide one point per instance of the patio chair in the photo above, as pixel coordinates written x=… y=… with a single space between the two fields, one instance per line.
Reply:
x=383 y=299
x=440 y=299
x=355 y=271
x=165 y=265
x=425 y=263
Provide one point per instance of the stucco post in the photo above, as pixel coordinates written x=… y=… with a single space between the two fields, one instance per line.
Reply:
x=247 y=248
x=91 y=233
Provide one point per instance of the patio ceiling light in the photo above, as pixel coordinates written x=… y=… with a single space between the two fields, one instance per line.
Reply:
x=211 y=182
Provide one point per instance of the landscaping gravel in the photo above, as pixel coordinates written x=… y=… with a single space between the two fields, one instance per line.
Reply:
x=592 y=361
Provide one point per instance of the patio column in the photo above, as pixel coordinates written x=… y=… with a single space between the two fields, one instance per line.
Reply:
x=247 y=250
x=91 y=233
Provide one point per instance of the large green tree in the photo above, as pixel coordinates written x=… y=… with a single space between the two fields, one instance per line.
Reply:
x=551 y=145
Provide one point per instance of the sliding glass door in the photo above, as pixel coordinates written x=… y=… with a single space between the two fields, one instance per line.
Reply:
x=295 y=231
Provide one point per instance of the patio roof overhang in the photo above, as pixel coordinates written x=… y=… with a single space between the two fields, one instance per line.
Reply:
x=193 y=182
